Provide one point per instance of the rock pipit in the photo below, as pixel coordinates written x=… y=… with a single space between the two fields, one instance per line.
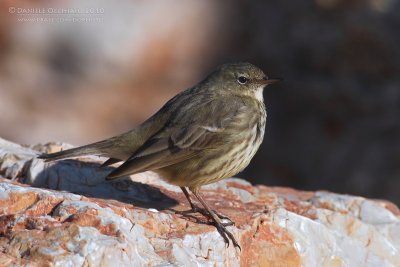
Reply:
x=204 y=134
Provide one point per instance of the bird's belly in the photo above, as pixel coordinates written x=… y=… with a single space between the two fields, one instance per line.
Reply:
x=213 y=165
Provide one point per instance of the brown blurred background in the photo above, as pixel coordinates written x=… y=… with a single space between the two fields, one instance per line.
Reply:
x=333 y=124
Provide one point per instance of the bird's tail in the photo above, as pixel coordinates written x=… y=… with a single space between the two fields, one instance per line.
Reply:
x=91 y=149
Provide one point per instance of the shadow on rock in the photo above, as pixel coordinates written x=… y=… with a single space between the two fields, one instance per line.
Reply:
x=88 y=179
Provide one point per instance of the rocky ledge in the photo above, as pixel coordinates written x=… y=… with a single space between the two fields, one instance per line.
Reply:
x=64 y=213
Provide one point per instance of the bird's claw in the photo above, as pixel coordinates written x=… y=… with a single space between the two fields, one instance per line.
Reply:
x=226 y=235
x=205 y=214
x=195 y=209
x=221 y=226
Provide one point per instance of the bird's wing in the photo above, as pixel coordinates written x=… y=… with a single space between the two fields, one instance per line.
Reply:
x=176 y=143
x=160 y=152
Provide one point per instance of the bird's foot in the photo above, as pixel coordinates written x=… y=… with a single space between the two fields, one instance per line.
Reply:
x=204 y=212
x=226 y=235
x=221 y=226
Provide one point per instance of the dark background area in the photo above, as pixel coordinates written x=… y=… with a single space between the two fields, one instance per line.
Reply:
x=333 y=124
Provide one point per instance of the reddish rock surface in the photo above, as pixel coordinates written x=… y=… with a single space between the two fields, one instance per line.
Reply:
x=64 y=213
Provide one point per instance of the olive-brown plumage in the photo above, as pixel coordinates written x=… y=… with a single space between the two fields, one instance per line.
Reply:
x=204 y=134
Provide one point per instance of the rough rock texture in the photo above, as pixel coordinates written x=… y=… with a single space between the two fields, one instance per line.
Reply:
x=65 y=214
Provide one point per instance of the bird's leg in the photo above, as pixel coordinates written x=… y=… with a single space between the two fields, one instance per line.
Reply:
x=195 y=209
x=217 y=221
x=186 y=193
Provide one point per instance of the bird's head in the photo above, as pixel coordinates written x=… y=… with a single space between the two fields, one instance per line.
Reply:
x=240 y=78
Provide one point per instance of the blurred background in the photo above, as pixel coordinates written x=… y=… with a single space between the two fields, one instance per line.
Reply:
x=80 y=71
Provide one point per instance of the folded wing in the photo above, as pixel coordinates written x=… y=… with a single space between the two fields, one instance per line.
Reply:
x=208 y=128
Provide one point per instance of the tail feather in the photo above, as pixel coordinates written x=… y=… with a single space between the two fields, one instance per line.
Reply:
x=117 y=148
x=91 y=149
x=69 y=153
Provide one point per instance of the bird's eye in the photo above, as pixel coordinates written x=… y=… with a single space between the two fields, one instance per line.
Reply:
x=242 y=80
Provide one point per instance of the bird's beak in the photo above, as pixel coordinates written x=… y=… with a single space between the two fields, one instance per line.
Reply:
x=266 y=81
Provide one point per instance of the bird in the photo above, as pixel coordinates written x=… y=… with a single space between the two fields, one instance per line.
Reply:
x=204 y=134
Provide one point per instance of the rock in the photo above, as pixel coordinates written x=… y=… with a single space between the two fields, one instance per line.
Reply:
x=65 y=213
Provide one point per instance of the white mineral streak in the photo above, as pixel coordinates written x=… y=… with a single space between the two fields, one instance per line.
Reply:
x=340 y=230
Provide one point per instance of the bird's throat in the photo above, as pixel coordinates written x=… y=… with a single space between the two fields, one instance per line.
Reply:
x=259 y=94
